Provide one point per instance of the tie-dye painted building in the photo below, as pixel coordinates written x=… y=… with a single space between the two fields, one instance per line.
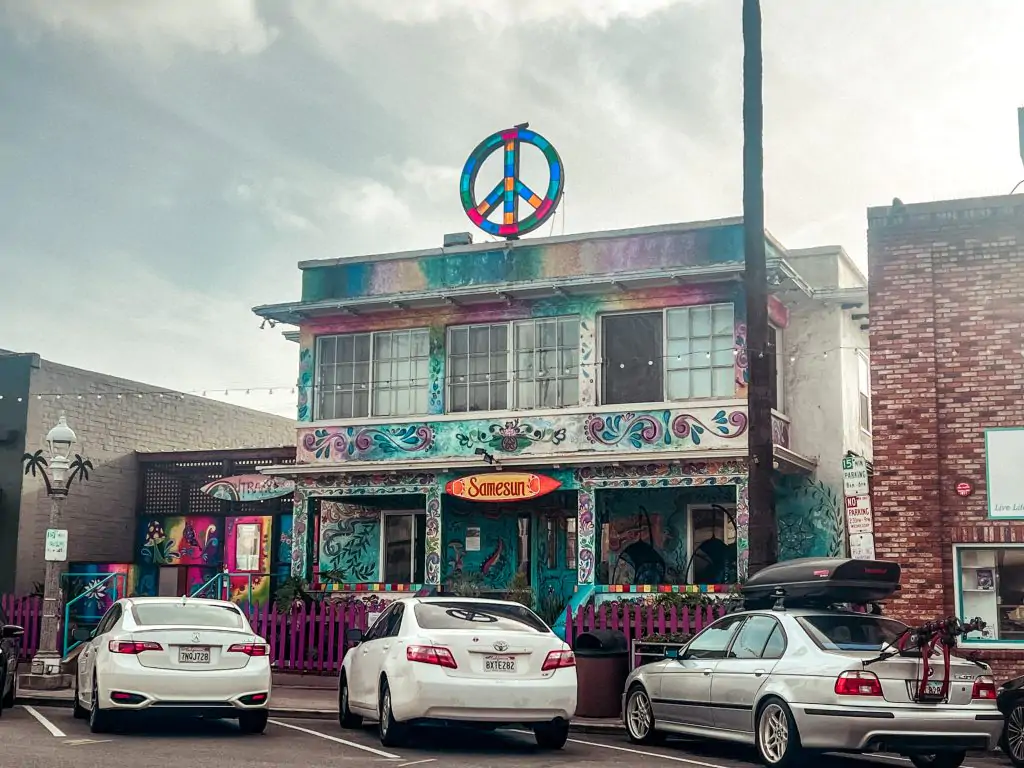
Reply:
x=609 y=366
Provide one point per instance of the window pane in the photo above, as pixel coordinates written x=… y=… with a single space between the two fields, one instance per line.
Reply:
x=712 y=642
x=346 y=375
x=247 y=547
x=499 y=338
x=344 y=405
x=459 y=394
x=328 y=350
x=722 y=357
x=700 y=383
x=722 y=322
x=346 y=348
x=700 y=321
x=402 y=376
x=478 y=340
x=361 y=403
x=700 y=352
x=362 y=347
x=678 y=385
x=524 y=365
x=460 y=366
x=547 y=393
x=678 y=323
x=361 y=374
x=397 y=549
x=382 y=402
x=548 y=364
x=547 y=334
x=631 y=342
x=524 y=336
x=753 y=637
x=524 y=395
x=569 y=333
x=570 y=394
x=460 y=345
x=420 y=343
x=382 y=346
x=499 y=397
x=499 y=367
x=478 y=400
x=724 y=382
x=401 y=345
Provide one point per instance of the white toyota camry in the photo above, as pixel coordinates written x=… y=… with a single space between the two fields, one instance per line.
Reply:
x=476 y=662
x=184 y=656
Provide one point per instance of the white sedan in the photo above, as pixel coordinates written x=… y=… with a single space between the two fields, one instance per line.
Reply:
x=475 y=662
x=182 y=656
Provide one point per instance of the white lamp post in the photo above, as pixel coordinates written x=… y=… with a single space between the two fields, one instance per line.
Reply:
x=63 y=470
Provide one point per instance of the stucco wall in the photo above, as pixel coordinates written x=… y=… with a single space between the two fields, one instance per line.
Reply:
x=99 y=514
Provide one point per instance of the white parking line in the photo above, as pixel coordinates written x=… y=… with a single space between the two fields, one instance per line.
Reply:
x=53 y=729
x=632 y=751
x=336 y=740
x=417 y=762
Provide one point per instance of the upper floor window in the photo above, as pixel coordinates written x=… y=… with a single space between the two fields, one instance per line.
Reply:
x=864 y=391
x=522 y=365
x=675 y=354
x=372 y=374
x=776 y=367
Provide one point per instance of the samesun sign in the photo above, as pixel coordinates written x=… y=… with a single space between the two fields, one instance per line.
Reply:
x=501 y=486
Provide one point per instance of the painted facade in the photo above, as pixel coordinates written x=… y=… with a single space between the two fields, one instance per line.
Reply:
x=653 y=495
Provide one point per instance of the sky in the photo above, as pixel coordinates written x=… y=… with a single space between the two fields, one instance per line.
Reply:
x=165 y=164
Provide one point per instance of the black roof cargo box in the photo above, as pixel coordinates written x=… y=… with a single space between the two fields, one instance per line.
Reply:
x=817 y=582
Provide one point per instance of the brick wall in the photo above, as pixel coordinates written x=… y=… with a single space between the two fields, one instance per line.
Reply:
x=99 y=514
x=947 y=357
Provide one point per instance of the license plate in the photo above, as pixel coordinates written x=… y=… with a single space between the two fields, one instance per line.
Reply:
x=933 y=688
x=500 y=664
x=194 y=655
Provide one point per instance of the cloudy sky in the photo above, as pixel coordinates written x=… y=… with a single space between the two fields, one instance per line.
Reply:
x=165 y=163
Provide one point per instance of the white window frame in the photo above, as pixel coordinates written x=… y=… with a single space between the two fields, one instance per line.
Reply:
x=780 y=371
x=535 y=379
x=664 y=351
x=382 y=568
x=862 y=417
x=958 y=594
x=259 y=546
x=700 y=507
x=512 y=380
x=319 y=386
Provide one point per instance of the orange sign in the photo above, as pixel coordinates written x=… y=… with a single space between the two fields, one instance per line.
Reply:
x=501 y=486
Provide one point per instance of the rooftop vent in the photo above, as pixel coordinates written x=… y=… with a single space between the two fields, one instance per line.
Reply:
x=457 y=238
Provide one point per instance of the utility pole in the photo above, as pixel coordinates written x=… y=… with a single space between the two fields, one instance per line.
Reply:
x=762 y=530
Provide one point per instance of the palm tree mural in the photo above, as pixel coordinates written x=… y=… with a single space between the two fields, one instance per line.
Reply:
x=36 y=463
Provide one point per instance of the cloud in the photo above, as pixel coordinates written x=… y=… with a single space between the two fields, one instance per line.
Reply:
x=215 y=26
x=597 y=12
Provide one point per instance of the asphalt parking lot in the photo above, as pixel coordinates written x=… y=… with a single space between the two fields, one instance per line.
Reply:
x=49 y=737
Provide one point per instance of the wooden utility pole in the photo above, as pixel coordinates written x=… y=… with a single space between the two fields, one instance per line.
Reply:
x=763 y=531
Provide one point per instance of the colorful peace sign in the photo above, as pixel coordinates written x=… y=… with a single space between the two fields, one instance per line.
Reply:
x=511 y=187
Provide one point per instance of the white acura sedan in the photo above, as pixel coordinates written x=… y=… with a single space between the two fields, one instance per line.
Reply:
x=182 y=656
x=474 y=662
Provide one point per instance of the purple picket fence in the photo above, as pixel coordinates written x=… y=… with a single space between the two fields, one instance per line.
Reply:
x=308 y=639
x=26 y=612
x=638 y=621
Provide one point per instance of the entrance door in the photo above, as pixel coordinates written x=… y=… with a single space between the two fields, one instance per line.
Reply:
x=554 y=534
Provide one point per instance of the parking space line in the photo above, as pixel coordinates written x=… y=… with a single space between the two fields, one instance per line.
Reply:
x=417 y=762
x=637 y=752
x=53 y=729
x=335 y=739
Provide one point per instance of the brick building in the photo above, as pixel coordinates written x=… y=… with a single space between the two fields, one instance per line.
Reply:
x=946 y=281
x=99 y=514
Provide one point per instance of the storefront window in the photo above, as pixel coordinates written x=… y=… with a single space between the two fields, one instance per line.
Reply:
x=991 y=587
x=404 y=545
x=247 y=547
x=378 y=374
x=712 y=544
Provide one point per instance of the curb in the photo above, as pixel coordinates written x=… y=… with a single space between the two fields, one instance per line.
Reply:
x=297 y=713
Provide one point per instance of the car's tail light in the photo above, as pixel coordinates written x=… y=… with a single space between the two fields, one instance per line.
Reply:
x=127 y=698
x=431 y=654
x=984 y=688
x=250 y=649
x=858 y=684
x=132 y=647
x=559 y=659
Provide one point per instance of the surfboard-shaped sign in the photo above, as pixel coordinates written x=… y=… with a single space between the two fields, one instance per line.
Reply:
x=249 y=488
x=501 y=486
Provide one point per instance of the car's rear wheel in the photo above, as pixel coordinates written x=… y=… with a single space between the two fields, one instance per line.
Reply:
x=80 y=712
x=1013 y=735
x=551 y=735
x=639 y=717
x=392 y=733
x=253 y=722
x=778 y=742
x=951 y=759
x=345 y=716
x=99 y=720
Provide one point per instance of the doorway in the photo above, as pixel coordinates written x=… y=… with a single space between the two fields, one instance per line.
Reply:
x=554 y=568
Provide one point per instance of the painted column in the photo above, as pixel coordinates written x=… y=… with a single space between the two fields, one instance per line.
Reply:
x=588 y=357
x=437 y=390
x=301 y=534
x=585 y=532
x=305 y=382
x=433 y=543
x=742 y=524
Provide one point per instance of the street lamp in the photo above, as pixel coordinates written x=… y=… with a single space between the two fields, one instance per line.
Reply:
x=65 y=467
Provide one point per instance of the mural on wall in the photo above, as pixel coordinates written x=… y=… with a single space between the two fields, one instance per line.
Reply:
x=810 y=516
x=254 y=588
x=93 y=580
x=491 y=558
x=644 y=535
x=193 y=540
x=660 y=430
x=349 y=545
x=284 y=541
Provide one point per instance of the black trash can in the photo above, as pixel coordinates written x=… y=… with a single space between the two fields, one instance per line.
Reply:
x=602 y=665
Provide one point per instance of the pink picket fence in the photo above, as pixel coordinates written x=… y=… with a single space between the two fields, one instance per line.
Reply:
x=638 y=621
x=26 y=612
x=308 y=639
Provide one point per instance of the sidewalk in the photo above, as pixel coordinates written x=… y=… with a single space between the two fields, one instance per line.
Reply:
x=303 y=697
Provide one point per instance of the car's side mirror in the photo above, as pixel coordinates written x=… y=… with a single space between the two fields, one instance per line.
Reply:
x=82 y=634
x=11 y=631
x=354 y=635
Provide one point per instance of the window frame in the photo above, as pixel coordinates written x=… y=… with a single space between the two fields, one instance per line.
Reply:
x=259 y=546
x=738 y=618
x=779 y=359
x=319 y=386
x=602 y=338
x=690 y=509
x=535 y=380
x=450 y=375
x=760 y=656
x=994 y=644
x=864 y=421
x=383 y=563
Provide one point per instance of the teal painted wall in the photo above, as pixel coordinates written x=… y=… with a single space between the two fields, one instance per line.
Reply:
x=349 y=543
x=811 y=518
x=495 y=563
